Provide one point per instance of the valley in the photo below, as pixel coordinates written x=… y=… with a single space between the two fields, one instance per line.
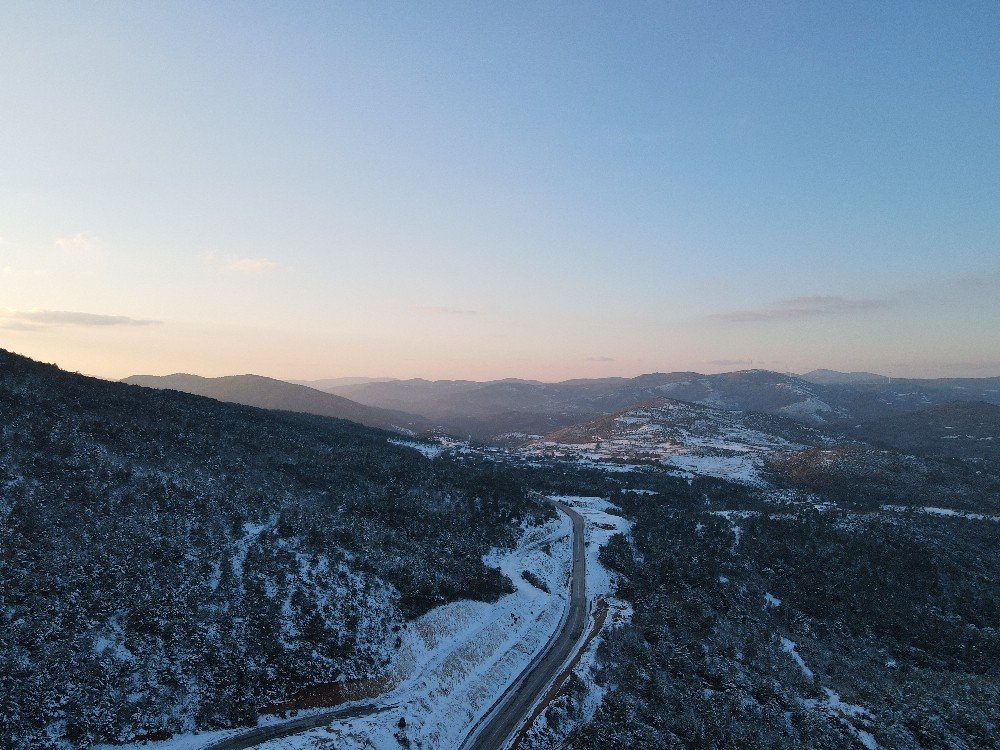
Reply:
x=719 y=560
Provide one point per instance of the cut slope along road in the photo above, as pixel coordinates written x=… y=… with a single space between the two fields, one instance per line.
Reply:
x=509 y=712
x=513 y=708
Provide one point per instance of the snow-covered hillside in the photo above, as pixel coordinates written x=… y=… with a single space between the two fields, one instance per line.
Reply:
x=454 y=661
x=690 y=439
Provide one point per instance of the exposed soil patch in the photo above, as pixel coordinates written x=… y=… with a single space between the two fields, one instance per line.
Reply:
x=330 y=694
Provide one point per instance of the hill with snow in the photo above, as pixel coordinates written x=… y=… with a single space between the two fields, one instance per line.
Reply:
x=169 y=562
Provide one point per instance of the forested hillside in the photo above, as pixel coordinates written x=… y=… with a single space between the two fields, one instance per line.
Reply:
x=170 y=562
x=960 y=429
x=491 y=410
x=801 y=629
x=766 y=617
x=268 y=393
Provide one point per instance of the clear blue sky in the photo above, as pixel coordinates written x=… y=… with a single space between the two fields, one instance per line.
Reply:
x=537 y=190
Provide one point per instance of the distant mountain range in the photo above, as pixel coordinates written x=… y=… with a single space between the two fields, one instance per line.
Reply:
x=488 y=410
x=506 y=411
x=491 y=409
x=834 y=377
x=268 y=393
x=327 y=383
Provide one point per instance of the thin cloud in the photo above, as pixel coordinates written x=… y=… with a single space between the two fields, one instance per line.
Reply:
x=81 y=243
x=436 y=310
x=798 y=308
x=600 y=359
x=729 y=362
x=251 y=265
x=16 y=325
x=33 y=319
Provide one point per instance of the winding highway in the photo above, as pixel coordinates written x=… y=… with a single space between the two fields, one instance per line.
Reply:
x=513 y=708
x=509 y=712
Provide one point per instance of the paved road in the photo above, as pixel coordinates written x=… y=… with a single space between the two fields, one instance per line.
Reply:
x=254 y=737
x=507 y=715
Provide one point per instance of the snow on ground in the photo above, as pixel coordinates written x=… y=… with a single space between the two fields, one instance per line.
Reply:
x=600 y=525
x=688 y=439
x=789 y=647
x=587 y=455
x=739 y=468
x=457 y=659
x=431 y=450
x=941 y=512
x=729 y=515
x=454 y=661
x=847 y=713
x=811 y=409
x=241 y=546
x=831 y=704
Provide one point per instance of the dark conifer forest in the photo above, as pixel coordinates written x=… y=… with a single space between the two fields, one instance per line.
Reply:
x=170 y=562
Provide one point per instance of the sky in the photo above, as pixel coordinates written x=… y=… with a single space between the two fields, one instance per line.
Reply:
x=485 y=190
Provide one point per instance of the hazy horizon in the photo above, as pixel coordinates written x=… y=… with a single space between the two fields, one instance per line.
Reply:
x=520 y=191
x=750 y=366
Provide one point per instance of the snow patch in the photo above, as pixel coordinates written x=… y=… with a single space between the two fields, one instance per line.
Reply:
x=933 y=511
x=430 y=450
x=789 y=647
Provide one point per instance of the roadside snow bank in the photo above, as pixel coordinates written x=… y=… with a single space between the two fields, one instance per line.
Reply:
x=560 y=716
x=601 y=524
x=457 y=659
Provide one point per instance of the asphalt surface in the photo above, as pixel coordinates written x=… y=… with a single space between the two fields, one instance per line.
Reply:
x=254 y=737
x=510 y=711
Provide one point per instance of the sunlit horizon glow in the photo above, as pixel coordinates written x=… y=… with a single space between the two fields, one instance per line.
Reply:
x=516 y=191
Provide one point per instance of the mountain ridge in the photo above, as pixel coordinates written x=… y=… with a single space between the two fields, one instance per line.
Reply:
x=269 y=393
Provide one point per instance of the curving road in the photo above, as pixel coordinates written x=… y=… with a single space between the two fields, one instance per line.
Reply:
x=513 y=708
